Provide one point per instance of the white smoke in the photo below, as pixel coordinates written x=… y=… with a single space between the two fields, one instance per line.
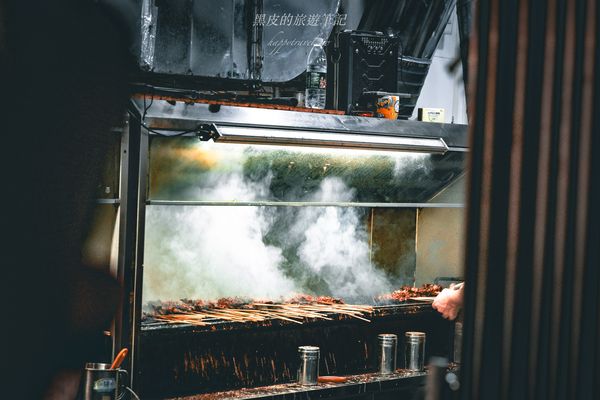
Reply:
x=419 y=163
x=213 y=251
x=208 y=252
x=335 y=245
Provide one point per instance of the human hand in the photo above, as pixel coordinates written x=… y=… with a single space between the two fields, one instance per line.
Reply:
x=449 y=302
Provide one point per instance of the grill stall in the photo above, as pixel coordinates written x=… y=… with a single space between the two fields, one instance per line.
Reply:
x=180 y=360
x=258 y=222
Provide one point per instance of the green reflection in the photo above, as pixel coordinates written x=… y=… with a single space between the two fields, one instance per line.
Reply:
x=187 y=169
x=354 y=252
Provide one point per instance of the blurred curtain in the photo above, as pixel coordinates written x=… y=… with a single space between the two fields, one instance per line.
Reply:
x=533 y=245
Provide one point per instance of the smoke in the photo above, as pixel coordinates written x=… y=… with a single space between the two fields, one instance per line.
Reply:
x=220 y=251
x=214 y=251
x=208 y=252
x=417 y=165
x=335 y=245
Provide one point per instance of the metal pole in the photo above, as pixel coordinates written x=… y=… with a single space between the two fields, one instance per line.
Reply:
x=130 y=174
x=139 y=264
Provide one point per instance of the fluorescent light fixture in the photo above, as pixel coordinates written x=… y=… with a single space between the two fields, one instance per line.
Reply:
x=292 y=137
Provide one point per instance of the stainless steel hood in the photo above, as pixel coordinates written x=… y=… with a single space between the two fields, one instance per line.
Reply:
x=443 y=145
x=163 y=115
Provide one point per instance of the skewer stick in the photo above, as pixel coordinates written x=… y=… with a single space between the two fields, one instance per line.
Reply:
x=291 y=309
x=351 y=313
x=181 y=321
x=359 y=317
x=277 y=316
x=305 y=313
x=297 y=312
x=228 y=317
x=353 y=307
x=256 y=312
x=247 y=314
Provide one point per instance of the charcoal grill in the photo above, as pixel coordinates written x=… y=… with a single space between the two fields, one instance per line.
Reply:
x=179 y=359
x=176 y=359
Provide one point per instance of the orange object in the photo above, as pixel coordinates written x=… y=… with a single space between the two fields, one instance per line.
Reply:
x=332 y=379
x=388 y=107
x=119 y=359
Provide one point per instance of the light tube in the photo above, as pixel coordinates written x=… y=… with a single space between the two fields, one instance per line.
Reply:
x=291 y=137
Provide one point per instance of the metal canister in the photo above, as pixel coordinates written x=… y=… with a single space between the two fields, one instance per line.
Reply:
x=388 y=348
x=457 y=341
x=414 y=351
x=309 y=365
x=101 y=382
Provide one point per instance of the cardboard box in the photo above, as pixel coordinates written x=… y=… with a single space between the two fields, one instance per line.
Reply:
x=431 y=115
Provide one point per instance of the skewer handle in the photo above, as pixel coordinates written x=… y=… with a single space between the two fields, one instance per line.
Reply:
x=119 y=359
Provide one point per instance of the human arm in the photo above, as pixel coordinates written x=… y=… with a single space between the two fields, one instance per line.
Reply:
x=449 y=301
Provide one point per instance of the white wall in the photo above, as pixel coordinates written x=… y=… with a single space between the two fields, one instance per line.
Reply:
x=441 y=236
x=443 y=89
x=440 y=231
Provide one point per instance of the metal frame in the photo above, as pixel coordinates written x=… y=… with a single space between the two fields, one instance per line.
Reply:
x=139 y=252
x=134 y=170
x=108 y=201
x=134 y=181
x=121 y=323
x=301 y=204
x=162 y=115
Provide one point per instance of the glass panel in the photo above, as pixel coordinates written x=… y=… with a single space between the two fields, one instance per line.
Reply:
x=190 y=170
x=271 y=222
x=209 y=252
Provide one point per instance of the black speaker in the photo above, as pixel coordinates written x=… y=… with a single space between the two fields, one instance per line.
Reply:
x=358 y=62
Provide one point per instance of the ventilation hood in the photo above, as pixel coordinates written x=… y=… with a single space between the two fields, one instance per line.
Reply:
x=445 y=145
x=179 y=116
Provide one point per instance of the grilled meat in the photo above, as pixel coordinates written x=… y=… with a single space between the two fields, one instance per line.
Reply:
x=406 y=292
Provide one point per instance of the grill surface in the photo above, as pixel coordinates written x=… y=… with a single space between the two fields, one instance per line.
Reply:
x=410 y=306
x=184 y=359
x=402 y=384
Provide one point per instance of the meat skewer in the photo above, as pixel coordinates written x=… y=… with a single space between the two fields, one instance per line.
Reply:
x=296 y=310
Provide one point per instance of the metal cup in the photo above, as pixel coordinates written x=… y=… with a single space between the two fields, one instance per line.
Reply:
x=414 y=350
x=388 y=346
x=103 y=383
x=309 y=365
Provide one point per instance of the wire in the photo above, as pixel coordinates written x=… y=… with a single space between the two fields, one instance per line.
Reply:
x=132 y=392
x=198 y=130
x=184 y=93
x=146 y=108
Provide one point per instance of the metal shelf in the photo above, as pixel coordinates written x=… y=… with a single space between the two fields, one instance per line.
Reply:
x=107 y=201
x=300 y=204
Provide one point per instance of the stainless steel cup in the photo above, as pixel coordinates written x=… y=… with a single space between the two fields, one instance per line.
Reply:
x=388 y=347
x=414 y=350
x=309 y=365
x=102 y=383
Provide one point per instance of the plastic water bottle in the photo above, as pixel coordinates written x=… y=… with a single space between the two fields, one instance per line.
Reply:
x=316 y=76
